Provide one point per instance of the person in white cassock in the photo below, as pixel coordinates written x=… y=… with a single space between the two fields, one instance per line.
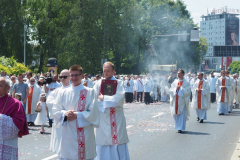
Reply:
x=57 y=130
x=33 y=99
x=111 y=136
x=139 y=88
x=76 y=109
x=232 y=91
x=236 y=89
x=223 y=87
x=212 y=82
x=87 y=82
x=179 y=101
x=148 y=87
x=164 y=89
x=129 y=84
x=201 y=98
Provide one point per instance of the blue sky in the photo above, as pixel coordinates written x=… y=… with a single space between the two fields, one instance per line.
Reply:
x=198 y=8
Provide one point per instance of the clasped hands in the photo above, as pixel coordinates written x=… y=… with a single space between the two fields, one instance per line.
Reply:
x=223 y=87
x=71 y=115
x=100 y=97
x=178 y=87
x=198 y=90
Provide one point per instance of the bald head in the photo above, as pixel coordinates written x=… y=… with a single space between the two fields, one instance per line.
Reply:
x=65 y=72
x=65 y=77
x=4 y=86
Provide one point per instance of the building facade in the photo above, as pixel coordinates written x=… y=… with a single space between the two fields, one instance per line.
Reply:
x=222 y=34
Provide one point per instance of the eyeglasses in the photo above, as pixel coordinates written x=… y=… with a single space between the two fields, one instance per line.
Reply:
x=65 y=77
x=76 y=75
x=32 y=81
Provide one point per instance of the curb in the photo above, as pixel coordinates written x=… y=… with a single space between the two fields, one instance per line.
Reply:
x=236 y=153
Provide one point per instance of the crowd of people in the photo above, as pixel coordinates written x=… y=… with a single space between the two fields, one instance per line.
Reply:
x=75 y=106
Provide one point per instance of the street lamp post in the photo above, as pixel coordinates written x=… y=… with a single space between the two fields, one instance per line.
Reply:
x=25 y=29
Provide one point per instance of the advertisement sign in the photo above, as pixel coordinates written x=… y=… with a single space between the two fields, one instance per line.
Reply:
x=232 y=32
x=226 y=61
x=52 y=69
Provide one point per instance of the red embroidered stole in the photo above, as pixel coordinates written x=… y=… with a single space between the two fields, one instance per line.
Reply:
x=80 y=131
x=199 y=94
x=223 y=91
x=30 y=99
x=176 y=103
x=113 y=123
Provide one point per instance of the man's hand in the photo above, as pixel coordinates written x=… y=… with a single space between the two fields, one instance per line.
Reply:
x=51 y=89
x=24 y=101
x=71 y=115
x=100 y=97
x=199 y=90
x=223 y=87
x=85 y=84
x=178 y=87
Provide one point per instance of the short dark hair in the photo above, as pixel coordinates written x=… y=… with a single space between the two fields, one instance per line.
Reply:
x=211 y=72
x=200 y=73
x=76 y=68
x=30 y=73
x=182 y=71
x=86 y=74
x=227 y=71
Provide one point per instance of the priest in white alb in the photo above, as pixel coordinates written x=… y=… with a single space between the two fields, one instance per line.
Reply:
x=223 y=87
x=201 y=97
x=76 y=109
x=111 y=136
x=231 y=97
x=179 y=101
x=212 y=82
x=236 y=89
x=87 y=82
x=33 y=99
x=13 y=123
x=57 y=130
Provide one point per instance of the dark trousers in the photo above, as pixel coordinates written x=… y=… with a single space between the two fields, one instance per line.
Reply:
x=141 y=94
x=50 y=122
x=191 y=97
x=129 y=97
x=147 y=98
x=213 y=97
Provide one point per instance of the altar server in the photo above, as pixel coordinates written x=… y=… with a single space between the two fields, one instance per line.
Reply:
x=76 y=109
x=111 y=136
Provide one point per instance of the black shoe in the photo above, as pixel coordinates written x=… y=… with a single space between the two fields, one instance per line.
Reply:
x=179 y=131
x=201 y=121
x=229 y=112
x=220 y=114
x=49 y=126
x=198 y=119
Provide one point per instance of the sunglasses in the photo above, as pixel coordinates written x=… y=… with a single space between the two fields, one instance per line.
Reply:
x=65 y=77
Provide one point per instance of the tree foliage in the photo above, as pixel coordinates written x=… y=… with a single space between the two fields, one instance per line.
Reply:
x=234 y=67
x=84 y=31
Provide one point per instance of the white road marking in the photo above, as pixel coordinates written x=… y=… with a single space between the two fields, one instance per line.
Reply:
x=129 y=126
x=53 y=156
x=159 y=114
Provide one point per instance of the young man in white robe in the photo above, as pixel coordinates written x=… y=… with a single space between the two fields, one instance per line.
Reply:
x=236 y=89
x=232 y=91
x=111 y=136
x=179 y=101
x=223 y=87
x=139 y=88
x=13 y=123
x=76 y=109
x=212 y=82
x=164 y=89
x=201 y=98
x=129 y=84
x=57 y=130
x=33 y=99
x=87 y=82
x=148 y=87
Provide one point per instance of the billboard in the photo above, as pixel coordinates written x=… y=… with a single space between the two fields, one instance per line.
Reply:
x=232 y=32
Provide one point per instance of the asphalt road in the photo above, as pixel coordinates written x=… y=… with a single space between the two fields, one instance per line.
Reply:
x=152 y=136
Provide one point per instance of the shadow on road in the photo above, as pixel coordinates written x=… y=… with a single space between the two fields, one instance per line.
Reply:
x=194 y=133
x=213 y=122
x=233 y=113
